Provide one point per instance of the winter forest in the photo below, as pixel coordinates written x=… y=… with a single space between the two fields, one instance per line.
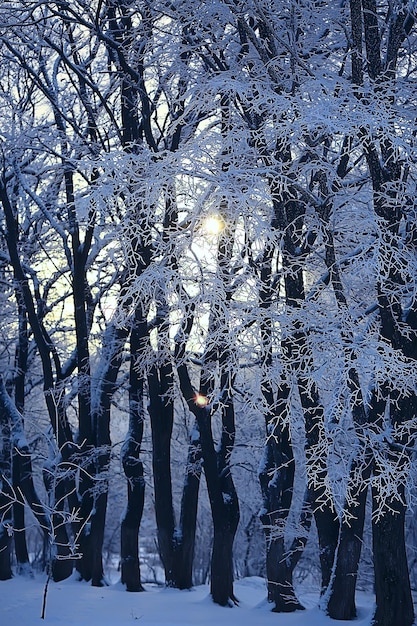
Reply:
x=208 y=284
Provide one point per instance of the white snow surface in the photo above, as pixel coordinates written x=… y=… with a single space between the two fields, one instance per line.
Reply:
x=71 y=603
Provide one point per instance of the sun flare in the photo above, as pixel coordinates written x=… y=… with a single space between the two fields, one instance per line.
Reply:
x=213 y=224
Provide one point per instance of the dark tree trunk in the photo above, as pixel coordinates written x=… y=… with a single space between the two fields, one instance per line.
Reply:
x=98 y=522
x=222 y=495
x=341 y=604
x=111 y=356
x=221 y=490
x=132 y=465
x=6 y=525
x=175 y=543
x=341 y=597
x=394 y=603
x=341 y=592
x=279 y=575
x=185 y=534
x=6 y=494
x=15 y=469
x=84 y=546
x=21 y=360
x=225 y=513
x=23 y=486
x=60 y=557
x=19 y=526
x=27 y=488
x=222 y=574
x=121 y=28
x=92 y=514
x=19 y=536
x=276 y=476
x=289 y=220
x=321 y=501
x=277 y=482
x=328 y=533
x=161 y=412
x=132 y=517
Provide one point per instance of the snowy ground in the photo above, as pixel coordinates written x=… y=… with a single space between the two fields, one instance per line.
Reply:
x=71 y=603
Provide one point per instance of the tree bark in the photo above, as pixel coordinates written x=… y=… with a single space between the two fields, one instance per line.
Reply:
x=277 y=471
x=222 y=494
x=23 y=461
x=341 y=603
x=19 y=527
x=60 y=552
x=394 y=603
x=277 y=483
x=6 y=495
x=132 y=464
x=23 y=485
x=111 y=359
x=6 y=525
x=161 y=411
x=132 y=517
x=21 y=362
x=222 y=574
x=185 y=533
x=320 y=499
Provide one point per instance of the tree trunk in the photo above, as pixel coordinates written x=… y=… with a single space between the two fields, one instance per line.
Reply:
x=226 y=517
x=6 y=526
x=394 y=603
x=98 y=523
x=19 y=529
x=221 y=490
x=341 y=603
x=175 y=543
x=289 y=216
x=281 y=561
x=7 y=497
x=321 y=501
x=279 y=573
x=225 y=514
x=277 y=483
x=222 y=575
x=21 y=360
x=185 y=534
x=276 y=475
x=161 y=411
x=85 y=561
x=132 y=464
x=60 y=556
x=112 y=353
x=22 y=474
x=24 y=466
x=131 y=520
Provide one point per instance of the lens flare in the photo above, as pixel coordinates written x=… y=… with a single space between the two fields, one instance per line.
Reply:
x=200 y=400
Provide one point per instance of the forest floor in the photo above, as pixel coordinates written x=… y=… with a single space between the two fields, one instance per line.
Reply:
x=72 y=603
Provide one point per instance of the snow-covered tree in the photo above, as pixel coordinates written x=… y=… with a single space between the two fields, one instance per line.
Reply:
x=225 y=192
